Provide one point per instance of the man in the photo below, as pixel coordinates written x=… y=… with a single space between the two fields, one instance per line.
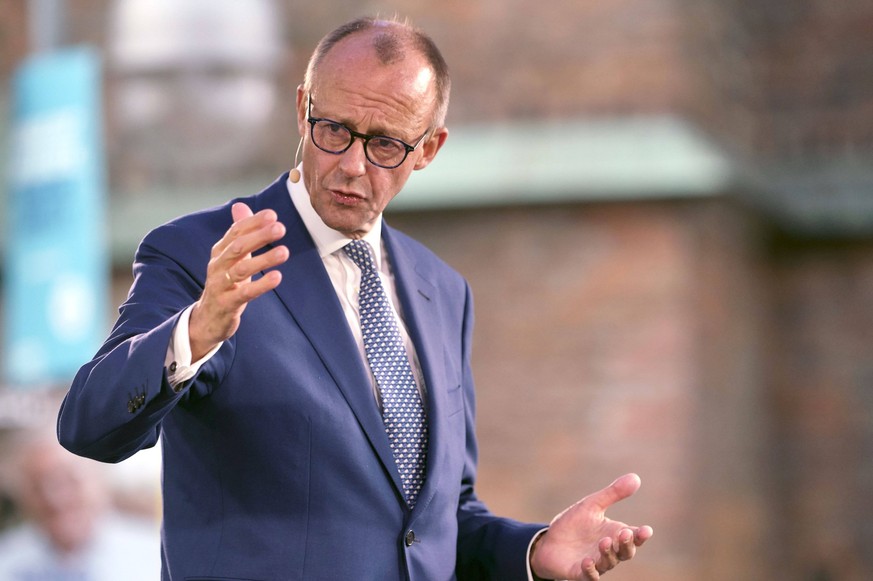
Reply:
x=70 y=530
x=293 y=449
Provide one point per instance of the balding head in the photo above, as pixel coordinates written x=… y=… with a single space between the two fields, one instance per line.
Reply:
x=391 y=41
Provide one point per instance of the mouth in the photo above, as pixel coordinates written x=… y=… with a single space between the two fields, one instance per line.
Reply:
x=346 y=197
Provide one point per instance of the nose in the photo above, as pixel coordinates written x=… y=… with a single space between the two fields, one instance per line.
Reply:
x=353 y=161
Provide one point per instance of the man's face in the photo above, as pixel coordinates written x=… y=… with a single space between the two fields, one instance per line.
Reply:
x=353 y=88
x=60 y=494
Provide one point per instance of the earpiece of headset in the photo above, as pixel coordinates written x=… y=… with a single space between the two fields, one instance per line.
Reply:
x=294 y=174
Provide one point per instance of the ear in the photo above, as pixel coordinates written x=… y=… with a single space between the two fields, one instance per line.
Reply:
x=430 y=147
x=301 y=111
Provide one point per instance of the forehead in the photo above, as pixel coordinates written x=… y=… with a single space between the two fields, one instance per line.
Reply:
x=355 y=84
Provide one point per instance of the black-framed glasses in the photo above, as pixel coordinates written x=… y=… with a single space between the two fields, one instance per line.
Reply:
x=333 y=137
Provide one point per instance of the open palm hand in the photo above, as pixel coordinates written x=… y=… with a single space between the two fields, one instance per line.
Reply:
x=582 y=543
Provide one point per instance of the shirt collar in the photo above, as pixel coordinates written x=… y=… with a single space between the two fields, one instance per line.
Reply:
x=327 y=240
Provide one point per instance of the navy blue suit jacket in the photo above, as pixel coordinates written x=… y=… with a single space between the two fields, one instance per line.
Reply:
x=276 y=462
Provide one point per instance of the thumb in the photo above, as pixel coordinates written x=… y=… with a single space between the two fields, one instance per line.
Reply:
x=621 y=488
x=240 y=211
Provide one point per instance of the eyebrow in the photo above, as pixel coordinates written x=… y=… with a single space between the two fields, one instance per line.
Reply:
x=379 y=132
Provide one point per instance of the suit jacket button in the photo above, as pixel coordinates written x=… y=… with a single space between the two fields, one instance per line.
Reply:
x=130 y=407
x=410 y=538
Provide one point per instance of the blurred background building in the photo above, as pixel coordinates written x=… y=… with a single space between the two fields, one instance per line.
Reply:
x=664 y=207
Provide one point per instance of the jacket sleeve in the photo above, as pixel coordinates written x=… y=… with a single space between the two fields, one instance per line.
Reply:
x=117 y=401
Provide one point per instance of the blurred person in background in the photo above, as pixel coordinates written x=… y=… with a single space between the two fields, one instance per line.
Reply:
x=291 y=449
x=70 y=530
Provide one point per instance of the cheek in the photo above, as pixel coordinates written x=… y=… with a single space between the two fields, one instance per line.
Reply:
x=315 y=168
x=386 y=185
x=382 y=196
x=314 y=157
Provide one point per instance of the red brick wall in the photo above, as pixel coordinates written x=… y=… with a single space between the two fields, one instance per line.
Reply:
x=820 y=398
x=731 y=512
x=815 y=64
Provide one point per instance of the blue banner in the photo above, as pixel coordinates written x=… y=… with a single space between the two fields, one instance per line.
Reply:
x=56 y=272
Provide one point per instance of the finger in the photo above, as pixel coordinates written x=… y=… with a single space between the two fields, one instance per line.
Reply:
x=244 y=269
x=245 y=223
x=245 y=244
x=625 y=547
x=643 y=534
x=240 y=211
x=258 y=287
x=608 y=558
x=620 y=489
x=589 y=570
x=232 y=301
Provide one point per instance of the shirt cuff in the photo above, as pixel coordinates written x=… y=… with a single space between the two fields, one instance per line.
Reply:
x=178 y=362
x=536 y=537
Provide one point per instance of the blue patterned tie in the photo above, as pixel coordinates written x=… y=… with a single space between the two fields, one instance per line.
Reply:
x=402 y=410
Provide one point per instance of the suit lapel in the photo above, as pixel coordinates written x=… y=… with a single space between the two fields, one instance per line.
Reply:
x=419 y=301
x=308 y=294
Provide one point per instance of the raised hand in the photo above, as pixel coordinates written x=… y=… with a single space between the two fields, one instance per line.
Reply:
x=582 y=544
x=229 y=286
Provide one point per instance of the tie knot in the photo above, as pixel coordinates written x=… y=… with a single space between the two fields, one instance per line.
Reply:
x=361 y=254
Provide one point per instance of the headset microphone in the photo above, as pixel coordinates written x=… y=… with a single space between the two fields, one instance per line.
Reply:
x=294 y=174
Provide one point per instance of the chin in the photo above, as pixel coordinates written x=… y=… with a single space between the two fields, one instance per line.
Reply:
x=346 y=221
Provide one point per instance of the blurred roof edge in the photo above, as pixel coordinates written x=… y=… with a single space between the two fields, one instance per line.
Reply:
x=565 y=161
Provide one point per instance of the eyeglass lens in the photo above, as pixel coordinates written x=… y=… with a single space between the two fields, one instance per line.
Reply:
x=336 y=138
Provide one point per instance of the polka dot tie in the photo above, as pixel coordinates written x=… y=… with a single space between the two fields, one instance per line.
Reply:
x=402 y=410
